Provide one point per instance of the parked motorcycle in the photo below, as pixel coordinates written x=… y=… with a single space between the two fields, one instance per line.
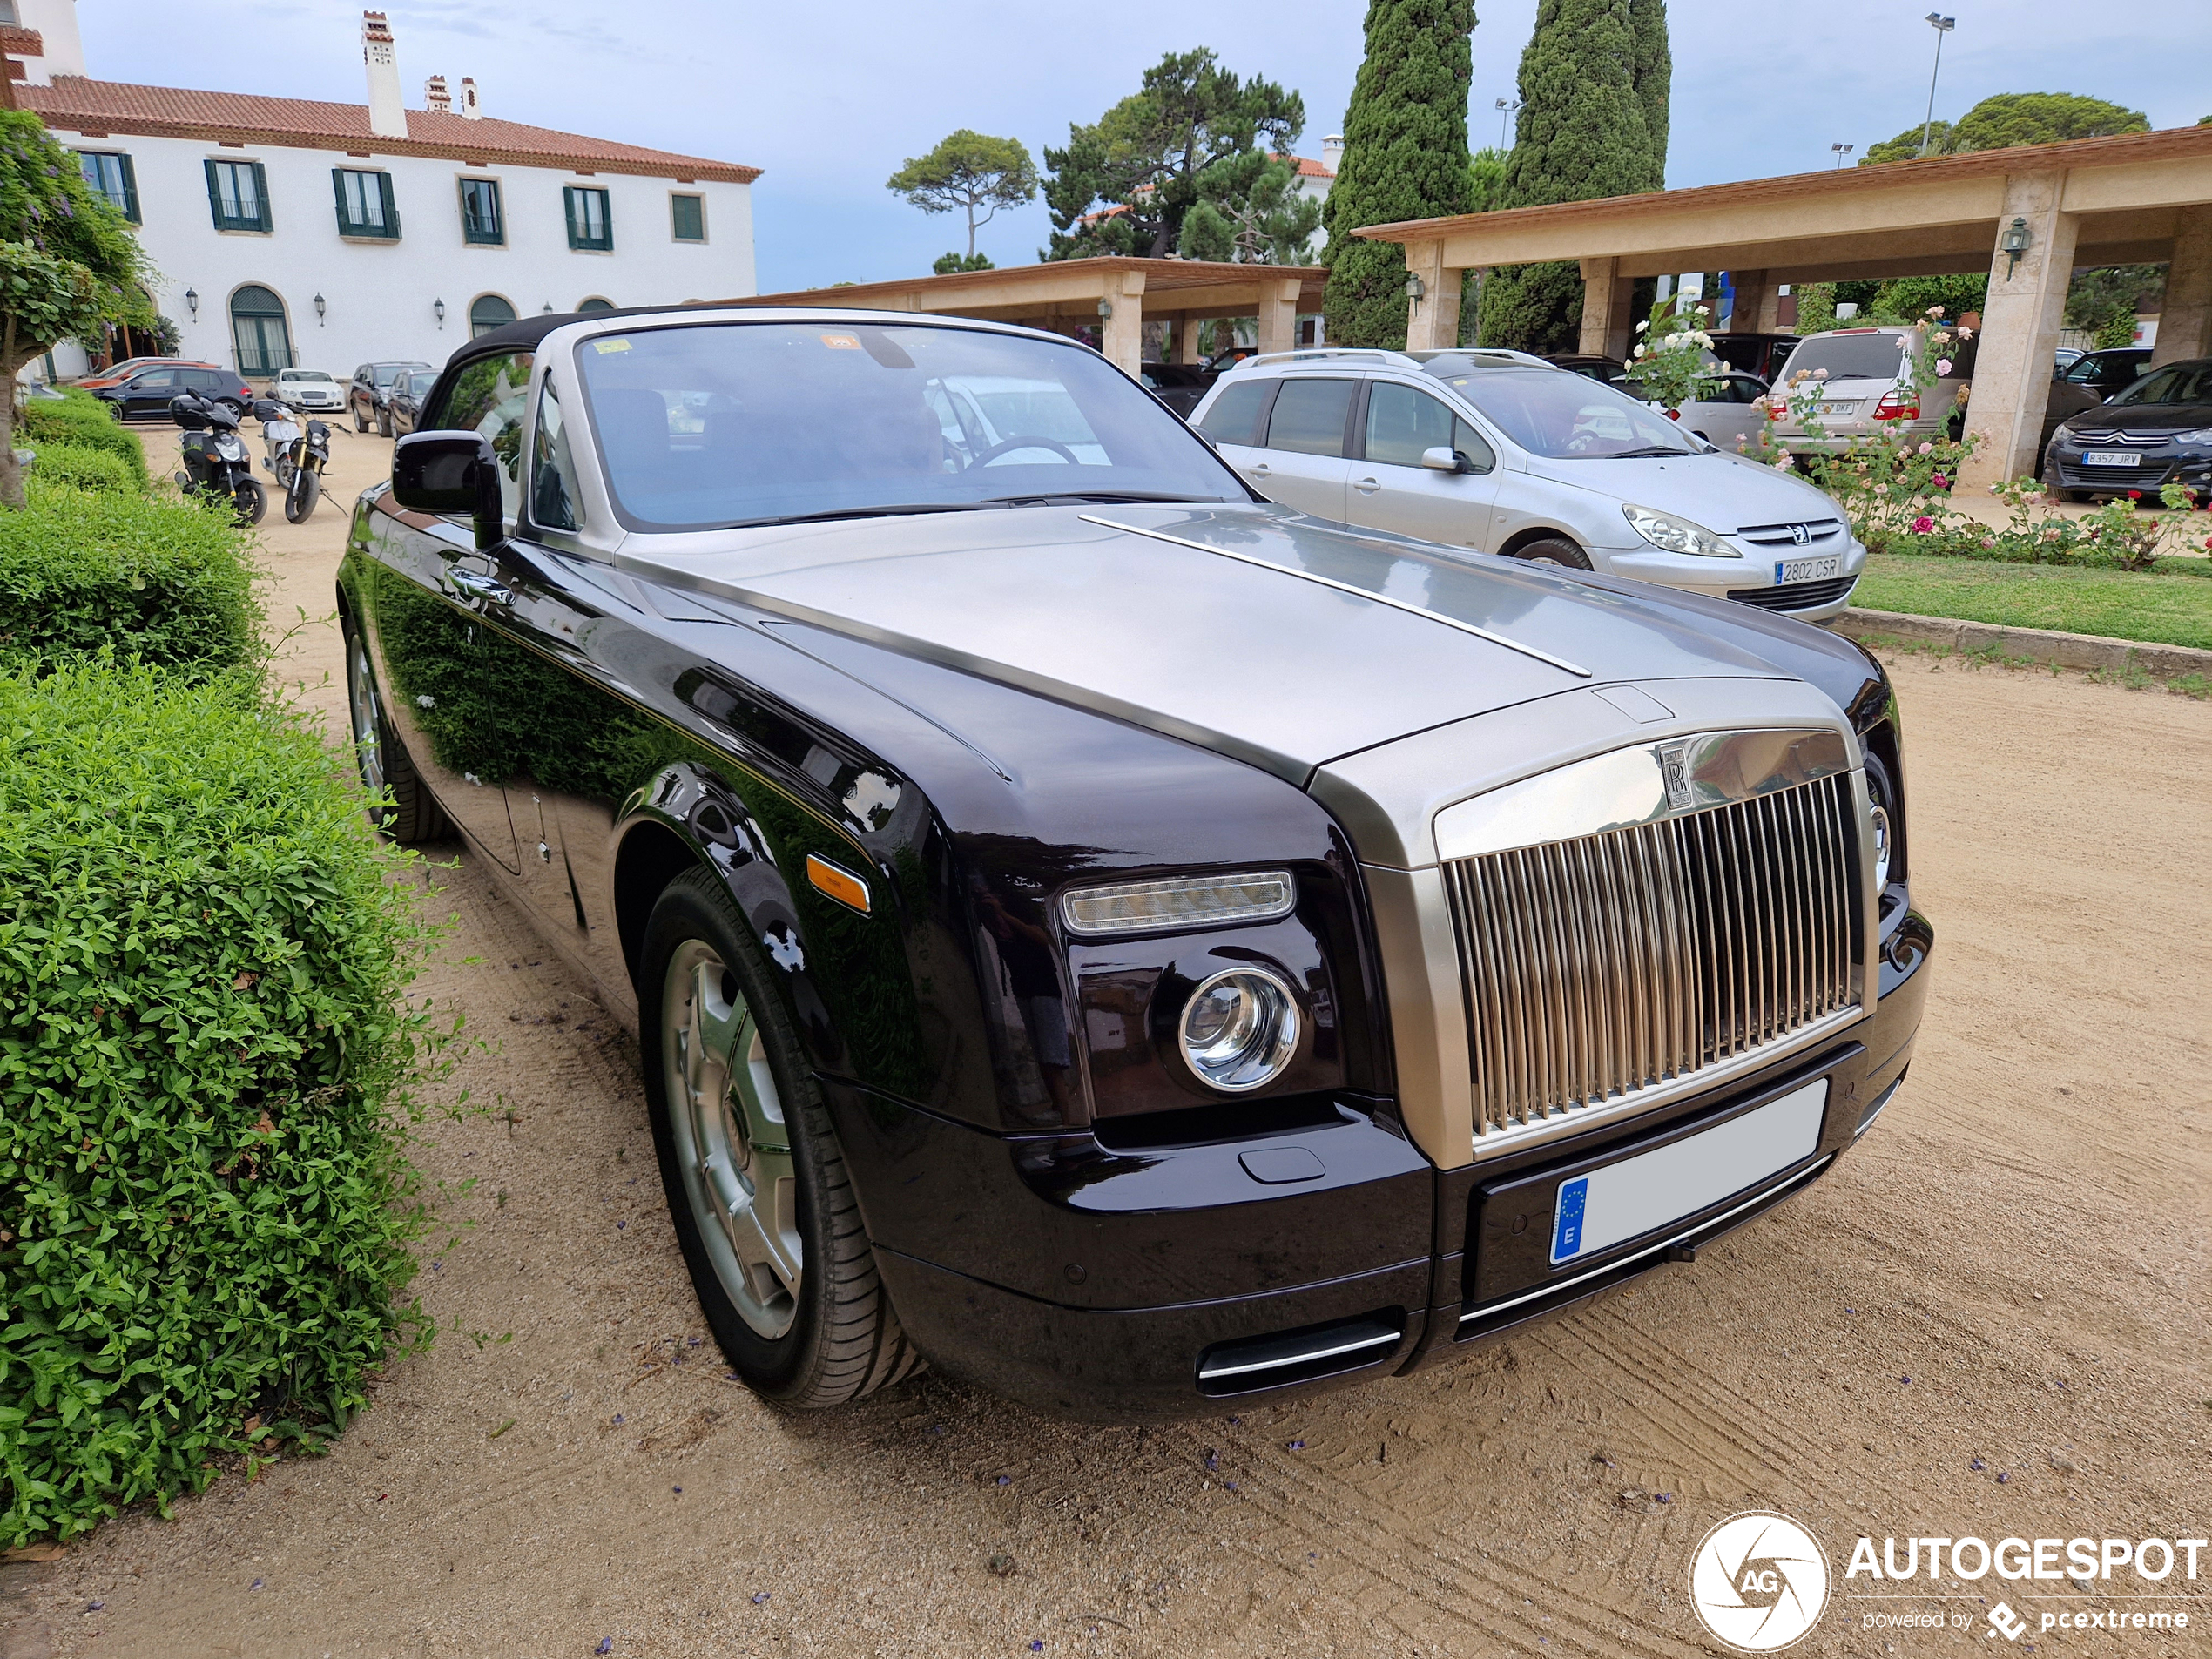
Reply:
x=296 y=456
x=216 y=464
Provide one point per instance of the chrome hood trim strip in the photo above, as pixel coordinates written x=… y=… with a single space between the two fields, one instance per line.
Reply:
x=1345 y=587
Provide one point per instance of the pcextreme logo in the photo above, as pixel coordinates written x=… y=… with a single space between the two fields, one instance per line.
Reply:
x=1759 y=1582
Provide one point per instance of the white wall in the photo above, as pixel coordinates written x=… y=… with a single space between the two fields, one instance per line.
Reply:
x=379 y=295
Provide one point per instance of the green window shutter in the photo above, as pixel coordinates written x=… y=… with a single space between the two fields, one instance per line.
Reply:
x=391 y=207
x=338 y=189
x=130 y=189
x=214 y=195
x=568 y=210
x=688 y=218
x=261 y=191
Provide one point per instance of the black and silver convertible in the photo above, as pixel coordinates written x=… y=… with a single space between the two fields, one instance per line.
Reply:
x=1128 y=943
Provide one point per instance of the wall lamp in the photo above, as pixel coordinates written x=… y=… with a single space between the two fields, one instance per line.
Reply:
x=2015 y=243
x=438 y=306
x=321 y=306
x=1415 y=288
x=1105 y=308
x=192 y=300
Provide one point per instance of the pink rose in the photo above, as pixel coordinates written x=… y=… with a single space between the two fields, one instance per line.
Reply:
x=1943 y=366
x=1927 y=449
x=1935 y=311
x=1923 y=524
x=1940 y=481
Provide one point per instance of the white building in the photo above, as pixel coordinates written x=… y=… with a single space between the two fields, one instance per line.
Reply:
x=291 y=232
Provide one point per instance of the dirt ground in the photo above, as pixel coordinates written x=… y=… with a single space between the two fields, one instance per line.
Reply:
x=1988 y=1320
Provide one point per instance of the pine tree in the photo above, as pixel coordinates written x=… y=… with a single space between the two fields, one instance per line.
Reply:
x=1404 y=156
x=1592 y=71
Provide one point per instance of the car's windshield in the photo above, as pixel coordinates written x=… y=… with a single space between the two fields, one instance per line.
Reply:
x=1848 y=357
x=303 y=375
x=1566 y=417
x=386 y=373
x=720 y=424
x=2177 y=384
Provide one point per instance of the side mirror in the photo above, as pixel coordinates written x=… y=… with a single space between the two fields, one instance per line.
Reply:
x=1442 y=459
x=451 y=472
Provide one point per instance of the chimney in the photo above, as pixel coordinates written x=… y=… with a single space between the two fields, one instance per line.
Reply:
x=1333 y=152
x=435 y=99
x=470 y=110
x=387 y=114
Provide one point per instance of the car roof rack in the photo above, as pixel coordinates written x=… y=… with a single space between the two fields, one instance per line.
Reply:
x=1330 y=355
x=1496 y=356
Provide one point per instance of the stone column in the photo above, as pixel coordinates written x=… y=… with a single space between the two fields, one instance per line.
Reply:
x=1121 y=337
x=1770 y=319
x=1278 y=314
x=2019 y=323
x=1753 y=300
x=1607 y=299
x=2185 y=320
x=1433 y=321
x=1186 y=337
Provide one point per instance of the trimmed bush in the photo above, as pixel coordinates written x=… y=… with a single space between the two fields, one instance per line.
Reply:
x=207 y=1070
x=80 y=418
x=86 y=571
x=83 y=467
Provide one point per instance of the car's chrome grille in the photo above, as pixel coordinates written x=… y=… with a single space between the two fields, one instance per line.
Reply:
x=1796 y=595
x=1598 y=969
x=2142 y=437
x=1801 y=533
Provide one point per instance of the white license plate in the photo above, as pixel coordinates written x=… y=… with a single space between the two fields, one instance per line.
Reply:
x=1622 y=1201
x=2111 y=458
x=1838 y=409
x=1820 y=570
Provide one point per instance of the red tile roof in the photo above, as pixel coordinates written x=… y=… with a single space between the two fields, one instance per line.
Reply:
x=1307 y=167
x=105 y=108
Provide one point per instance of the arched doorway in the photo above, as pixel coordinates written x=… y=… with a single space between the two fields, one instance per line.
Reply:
x=595 y=303
x=488 y=312
x=258 y=331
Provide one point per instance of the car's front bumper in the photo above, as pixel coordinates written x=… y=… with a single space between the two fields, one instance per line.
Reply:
x=1121 y=1285
x=1752 y=575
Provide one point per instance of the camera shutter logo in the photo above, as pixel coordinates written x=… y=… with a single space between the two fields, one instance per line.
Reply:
x=1759 y=1582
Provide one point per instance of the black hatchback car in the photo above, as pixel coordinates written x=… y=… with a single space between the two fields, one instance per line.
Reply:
x=403 y=401
x=149 y=392
x=2157 y=431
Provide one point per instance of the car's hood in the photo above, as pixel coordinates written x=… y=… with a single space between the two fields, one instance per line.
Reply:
x=2143 y=417
x=1721 y=492
x=1171 y=618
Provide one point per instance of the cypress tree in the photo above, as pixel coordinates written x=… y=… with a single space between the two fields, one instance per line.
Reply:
x=1591 y=70
x=1404 y=156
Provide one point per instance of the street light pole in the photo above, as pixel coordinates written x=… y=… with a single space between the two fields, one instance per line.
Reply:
x=1505 y=113
x=1842 y=150
x=1943 y=26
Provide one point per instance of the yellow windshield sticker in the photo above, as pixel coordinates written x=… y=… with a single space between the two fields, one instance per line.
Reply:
x=609 y=345
x=840 y=342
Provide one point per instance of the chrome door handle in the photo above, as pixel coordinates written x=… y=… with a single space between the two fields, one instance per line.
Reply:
x=1261 y=469
x=1368 y=486
x=470 y=584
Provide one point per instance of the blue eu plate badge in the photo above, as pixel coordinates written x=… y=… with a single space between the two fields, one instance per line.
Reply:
x=1567 y=1223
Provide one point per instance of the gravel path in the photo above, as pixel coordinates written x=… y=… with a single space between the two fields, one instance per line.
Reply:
x=1989 y=1320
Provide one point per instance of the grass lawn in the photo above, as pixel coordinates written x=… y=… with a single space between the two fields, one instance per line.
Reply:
x=2171 y=605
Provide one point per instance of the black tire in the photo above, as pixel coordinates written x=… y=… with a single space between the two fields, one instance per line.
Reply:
x=234 y=406
x=249 y=501
x=384 y=424
x=1555 y=550
x=411 y=815
x=360 y=424
x=842 y=1340
x=300 y=500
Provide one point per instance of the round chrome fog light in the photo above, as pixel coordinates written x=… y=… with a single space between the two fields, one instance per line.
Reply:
x=1881 y=849
x=1239 y=1029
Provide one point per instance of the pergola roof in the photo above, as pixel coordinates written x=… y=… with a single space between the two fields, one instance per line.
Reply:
x=1072 y=289
x=1898 y=218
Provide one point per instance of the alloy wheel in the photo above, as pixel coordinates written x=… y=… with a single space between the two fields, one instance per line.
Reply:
x=731 y=1142
x=369 y=719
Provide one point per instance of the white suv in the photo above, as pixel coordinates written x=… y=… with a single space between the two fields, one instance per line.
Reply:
x=1501 y=452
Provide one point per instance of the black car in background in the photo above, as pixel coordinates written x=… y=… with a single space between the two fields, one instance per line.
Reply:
x=148 y=391
x=2154 y=431
x=371 y=383
x=1182 y=387
x=1606 y=371
x=403 y=401
x=1760 y=354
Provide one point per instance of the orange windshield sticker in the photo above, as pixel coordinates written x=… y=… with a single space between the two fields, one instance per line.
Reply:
x=841 y=885
x=840 y=342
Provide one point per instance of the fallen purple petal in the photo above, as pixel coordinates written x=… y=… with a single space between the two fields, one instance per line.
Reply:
x=1664 y=1497
x=2004 y=1478
x=617 y=1419
x=1036 y=1646
x=1297 y=1446
x=256 y=1584
x=1006 y=1479
x=606 y=1645
x=1977 y=1464
x=94 y=1607
x=675 y=1488
x=759 y=1597
x=1904 y=1380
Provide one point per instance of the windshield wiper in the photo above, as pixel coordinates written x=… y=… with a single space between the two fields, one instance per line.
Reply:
x=892 y=511
x=1051 y=496
x=1636 y=455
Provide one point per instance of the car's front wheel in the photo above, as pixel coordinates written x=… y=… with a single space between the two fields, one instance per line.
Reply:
x=757 y=1186
x=401 y=804
x=1555 y=550
x=360 y=424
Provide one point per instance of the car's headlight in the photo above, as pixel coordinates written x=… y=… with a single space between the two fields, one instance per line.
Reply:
x=1881 y=849
x=1239 y=1029
x=2194 y=435
x=1676 y=534
x=1182 y=902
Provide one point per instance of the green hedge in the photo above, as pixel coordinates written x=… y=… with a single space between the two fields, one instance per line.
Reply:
x=83 y=571
x=206 y=1064
x=83 y=467
x=80 y=418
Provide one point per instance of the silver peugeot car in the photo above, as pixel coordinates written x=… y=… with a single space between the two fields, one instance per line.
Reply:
x=1501 y=452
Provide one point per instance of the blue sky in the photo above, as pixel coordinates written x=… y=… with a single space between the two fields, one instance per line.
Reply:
x=830 y=101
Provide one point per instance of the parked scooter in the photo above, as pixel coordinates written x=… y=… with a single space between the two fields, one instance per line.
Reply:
x=297 y=457
x=216 y=464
